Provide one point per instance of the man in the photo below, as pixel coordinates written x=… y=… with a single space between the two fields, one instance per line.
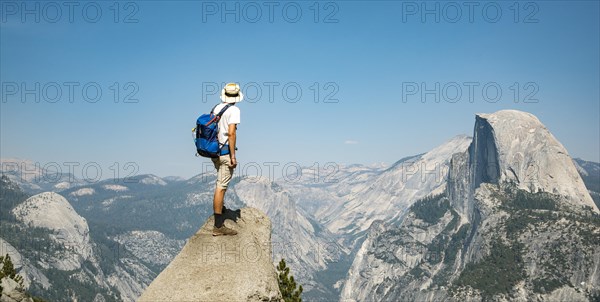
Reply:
x=226 y=163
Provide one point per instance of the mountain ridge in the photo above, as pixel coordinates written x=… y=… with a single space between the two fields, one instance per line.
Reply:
x=488 y=236
x=305 y=206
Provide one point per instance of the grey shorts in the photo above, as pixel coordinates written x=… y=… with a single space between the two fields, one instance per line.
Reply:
x=224 y=171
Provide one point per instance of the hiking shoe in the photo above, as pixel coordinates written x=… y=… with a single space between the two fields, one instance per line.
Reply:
x=223 y=230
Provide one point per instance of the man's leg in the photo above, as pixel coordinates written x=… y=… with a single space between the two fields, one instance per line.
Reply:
x=224 y=175
x=218 y=200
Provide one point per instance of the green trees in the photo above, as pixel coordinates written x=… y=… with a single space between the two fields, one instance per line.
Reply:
x=287 y=284
x=8 y=270
x=497 y=273
x=431 y=209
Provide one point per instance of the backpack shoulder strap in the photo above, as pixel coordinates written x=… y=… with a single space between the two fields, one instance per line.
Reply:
x=213 y=109
x=222 y=110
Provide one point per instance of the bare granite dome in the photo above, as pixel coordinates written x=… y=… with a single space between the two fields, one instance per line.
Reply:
x=514 y=146
x=52 y=211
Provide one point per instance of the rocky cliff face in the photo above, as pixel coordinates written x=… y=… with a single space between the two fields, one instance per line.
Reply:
x=306 y=247
x=222 y=268
x=515 y=223
x=511 y=146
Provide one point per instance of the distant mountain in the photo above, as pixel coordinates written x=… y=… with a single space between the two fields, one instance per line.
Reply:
x=35 y=177
x=344 y=200
x=388 y=193
x=175 y=209
x=58 y=256
x=590 y=173
x=514 y=223
x=414 y=230
x=307 y=247
x=173 y=178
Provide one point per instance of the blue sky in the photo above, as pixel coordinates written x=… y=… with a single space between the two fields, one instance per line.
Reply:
x=364 y=56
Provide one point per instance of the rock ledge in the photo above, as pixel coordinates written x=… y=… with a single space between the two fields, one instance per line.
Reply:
x=222 y=268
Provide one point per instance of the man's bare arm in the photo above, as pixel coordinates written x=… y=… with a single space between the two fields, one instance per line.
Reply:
x=231 y=136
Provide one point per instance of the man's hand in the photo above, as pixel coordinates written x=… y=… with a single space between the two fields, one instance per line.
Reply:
x=233 y=162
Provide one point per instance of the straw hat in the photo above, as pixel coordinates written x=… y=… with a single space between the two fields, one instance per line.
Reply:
x=231 y=93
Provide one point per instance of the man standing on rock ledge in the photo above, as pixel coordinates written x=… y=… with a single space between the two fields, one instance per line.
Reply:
x=226 y=163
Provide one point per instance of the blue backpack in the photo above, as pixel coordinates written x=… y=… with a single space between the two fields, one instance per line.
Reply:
x=206 y=138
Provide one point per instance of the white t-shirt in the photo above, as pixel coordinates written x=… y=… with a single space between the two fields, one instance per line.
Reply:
x=231 y=116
